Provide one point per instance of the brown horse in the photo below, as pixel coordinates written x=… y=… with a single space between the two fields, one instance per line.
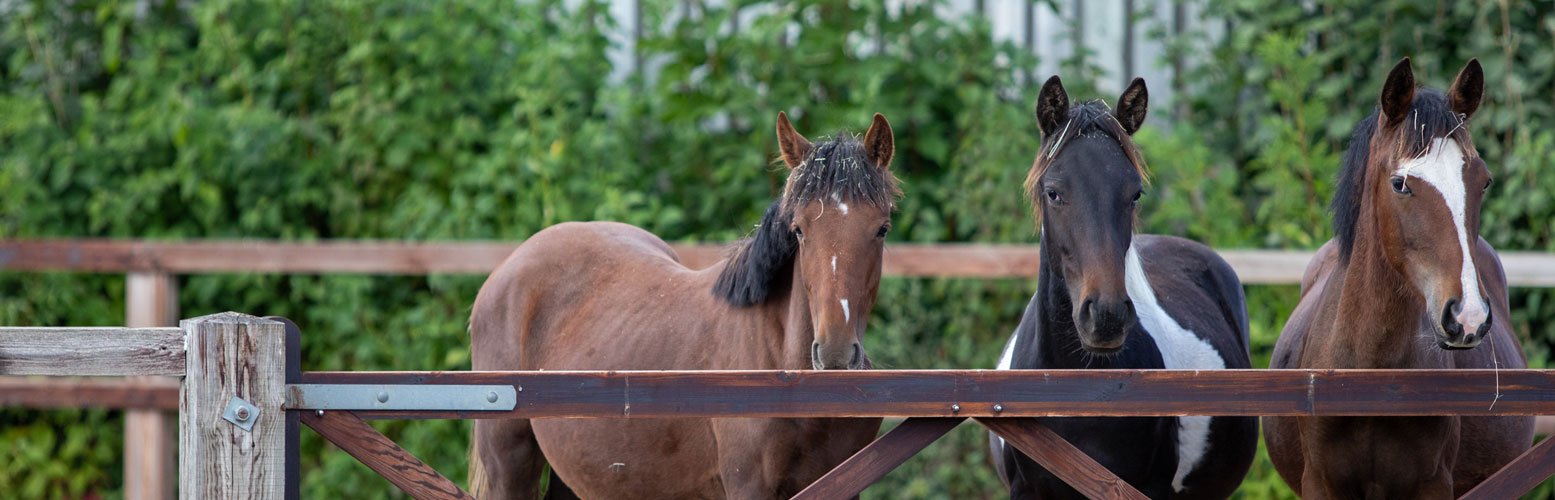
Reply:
x=608 y=296
x=1406 y=283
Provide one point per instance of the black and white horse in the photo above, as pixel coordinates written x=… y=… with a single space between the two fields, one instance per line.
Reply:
x=1107 y=298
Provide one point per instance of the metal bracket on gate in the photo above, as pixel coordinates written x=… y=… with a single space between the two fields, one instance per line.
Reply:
x=400 y=397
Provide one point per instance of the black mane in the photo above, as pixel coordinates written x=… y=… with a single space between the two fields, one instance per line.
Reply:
x=763 y=264
x=1429 y=118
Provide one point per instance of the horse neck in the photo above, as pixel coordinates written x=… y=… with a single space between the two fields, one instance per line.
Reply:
x=772 y=335
x=1378 y=318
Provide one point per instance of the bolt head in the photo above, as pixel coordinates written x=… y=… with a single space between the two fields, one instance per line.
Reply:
x=320 y=413
x=998 y=408
x=242 y=413
x=383 y=396
x=955 y=407
x=491 y=397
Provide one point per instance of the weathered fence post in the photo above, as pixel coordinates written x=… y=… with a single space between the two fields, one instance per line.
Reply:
x=150 y=439
x=232 y=430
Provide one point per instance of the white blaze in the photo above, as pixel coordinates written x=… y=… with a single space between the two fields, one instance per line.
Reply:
x=843 y=207
x=1180 y=349
x=834 y=264
x=1442 y=167
x=847 y=316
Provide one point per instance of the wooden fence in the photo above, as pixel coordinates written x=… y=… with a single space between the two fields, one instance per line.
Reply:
x=244 y=397
x=151 y=301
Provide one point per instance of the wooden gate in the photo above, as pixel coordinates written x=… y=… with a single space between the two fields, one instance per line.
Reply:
x=243 y=400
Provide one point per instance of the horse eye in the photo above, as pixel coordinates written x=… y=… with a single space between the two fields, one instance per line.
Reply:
x=1052 y=196
x=798 y=232
x=1487 y=184
x=883 y=229
x=1139 y=194
x=1398 y=185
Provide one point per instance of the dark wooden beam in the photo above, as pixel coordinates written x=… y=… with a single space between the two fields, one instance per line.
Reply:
x=1520 y=476
x=976 y=393
x=380 y=454
x=1061 y=458
x=882 y=456
x=156 y=393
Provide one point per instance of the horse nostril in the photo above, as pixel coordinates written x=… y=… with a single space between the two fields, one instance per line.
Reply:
x=1087 y=313
x=1128 y=309
x=1450 y=320
x=815 y=352
x=858 y=355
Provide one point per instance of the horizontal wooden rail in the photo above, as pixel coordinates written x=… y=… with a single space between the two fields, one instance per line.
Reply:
x=156 y=393
x=474 y=257
x=91 y=351
x=984 y=393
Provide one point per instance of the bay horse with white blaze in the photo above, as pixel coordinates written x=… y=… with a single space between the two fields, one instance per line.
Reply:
x=1406 y=282
x=1107 y=298
x=609 y=296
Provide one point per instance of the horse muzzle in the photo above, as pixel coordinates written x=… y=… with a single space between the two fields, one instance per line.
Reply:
x=1104 y=325
x=824 y=357
x=1460 y=329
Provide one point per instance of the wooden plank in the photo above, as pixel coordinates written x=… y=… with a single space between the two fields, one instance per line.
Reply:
x=1518 y=477
x=1024 y=393
x=380 y=454
x=293 y=419
x=476 y=257
x=960 y=260
x=60 y=392
x=233 y=354
x=150 y=435
x=91 y=351
x=1056 y=455
x=882 y=456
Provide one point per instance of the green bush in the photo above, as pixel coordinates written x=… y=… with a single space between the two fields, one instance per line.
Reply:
x=491 y=120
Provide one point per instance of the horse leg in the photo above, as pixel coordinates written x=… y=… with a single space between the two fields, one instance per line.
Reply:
x=505 y=461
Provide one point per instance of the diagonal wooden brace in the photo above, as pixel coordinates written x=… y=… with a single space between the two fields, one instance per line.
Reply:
x=1061 y=458
x=380 y=454
x=1519 y=476
x=881 y=457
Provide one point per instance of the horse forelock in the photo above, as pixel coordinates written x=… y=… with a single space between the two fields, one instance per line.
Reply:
x=1429 y=118
x=1086 y=119
x=838 y=168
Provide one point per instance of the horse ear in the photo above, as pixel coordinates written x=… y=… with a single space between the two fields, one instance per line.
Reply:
x=1398 y=93
x=795 y=147
x=879 y=143
x=1467 y=89
x=1052 y=106
x=1131 y=106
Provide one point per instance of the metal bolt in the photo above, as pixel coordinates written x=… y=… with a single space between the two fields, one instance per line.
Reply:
x=383 y=396
x=521 y=388
x=242 y=413
x=955 y=407
x=491 y=397
x=321 y=413
x=998 y=408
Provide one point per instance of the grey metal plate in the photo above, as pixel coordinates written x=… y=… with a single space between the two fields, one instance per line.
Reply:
x=400 y=397
x=241 y=414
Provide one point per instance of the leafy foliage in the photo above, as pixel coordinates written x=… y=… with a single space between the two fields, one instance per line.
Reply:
x=492 y=120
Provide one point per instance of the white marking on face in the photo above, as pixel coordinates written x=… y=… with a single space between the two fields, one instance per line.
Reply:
x=834 y=264
x=843 y=207
x=1442 y=167
x=1180 y=349
x=847 y=316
